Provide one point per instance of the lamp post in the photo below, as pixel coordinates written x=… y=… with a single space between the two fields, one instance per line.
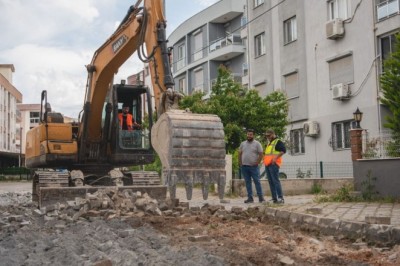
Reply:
x=356 y=136
x=357 y=115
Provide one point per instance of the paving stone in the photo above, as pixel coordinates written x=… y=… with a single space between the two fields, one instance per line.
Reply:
x=314 y=210
x=15 y=218
x=395 y=235
x=377 y=219
x=236 y=209
x=352 y=230
x=184 y=204
x=377 y=233
x=270 y=212
x=329 y=226
x=296 y=218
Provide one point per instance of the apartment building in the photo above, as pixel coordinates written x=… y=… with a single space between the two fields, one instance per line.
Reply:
x=325 y=55
x=29 y=117
x=205 y=41
x=9 y=97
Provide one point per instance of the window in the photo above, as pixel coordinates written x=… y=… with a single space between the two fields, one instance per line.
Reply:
x=198 y=45
x=290 y=30
x=387 y=47
x=243 y=22
x=341 y=135
x=258 y=2
x=386 y=8
x=259 y=44
x=182 y=85
x=198 y=79
x=180 y=60
x=341 y=70
x=292 y=85
x=34 y=117
x=337 y=9
x=297 y=142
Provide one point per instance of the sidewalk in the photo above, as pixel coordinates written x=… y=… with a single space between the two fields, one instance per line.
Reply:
x=304 y=204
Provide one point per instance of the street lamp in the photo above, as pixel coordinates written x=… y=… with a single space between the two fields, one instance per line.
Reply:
x=357 y=115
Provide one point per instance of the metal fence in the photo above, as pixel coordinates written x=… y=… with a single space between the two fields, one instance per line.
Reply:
x=317 y=169
x=311 y=170
x=16 y=172
x=380 y=147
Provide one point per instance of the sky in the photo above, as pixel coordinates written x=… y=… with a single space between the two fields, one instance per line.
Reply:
x=49 y=42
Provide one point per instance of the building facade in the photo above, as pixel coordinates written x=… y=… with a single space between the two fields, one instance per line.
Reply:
x=204 y=42
x=325 y=55
x=29 y=118
x=9 y=97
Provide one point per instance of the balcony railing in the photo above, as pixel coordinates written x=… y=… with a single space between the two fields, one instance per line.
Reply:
x=237 y=77
x=180 y=64
x=228 y=40
x=387 y=8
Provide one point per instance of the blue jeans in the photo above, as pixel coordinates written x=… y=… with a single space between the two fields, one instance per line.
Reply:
x=274 y=182
x=252 y=172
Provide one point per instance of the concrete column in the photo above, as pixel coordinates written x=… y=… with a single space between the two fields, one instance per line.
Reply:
x=356 y=143
x=228 y=169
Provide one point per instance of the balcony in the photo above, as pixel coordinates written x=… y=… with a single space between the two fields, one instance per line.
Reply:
x=237 y=77
x=228 y=40
x=226 y=48
x=387 y=9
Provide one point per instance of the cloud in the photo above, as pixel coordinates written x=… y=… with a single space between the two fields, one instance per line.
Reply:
x=61 y=72
x=50 y=42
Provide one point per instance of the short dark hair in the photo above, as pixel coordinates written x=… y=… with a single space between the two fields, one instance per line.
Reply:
x=270 y=132
x=250 y=130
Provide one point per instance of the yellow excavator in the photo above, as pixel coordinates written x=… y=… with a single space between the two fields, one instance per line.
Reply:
x=68 y=160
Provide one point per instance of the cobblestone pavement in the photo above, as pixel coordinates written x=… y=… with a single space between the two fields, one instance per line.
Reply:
x=304 y=204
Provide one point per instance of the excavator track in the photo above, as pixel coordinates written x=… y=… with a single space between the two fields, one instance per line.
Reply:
x=48 y=178
x=51 y=187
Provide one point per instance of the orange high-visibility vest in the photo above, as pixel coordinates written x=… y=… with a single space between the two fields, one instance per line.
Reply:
x=128 y=120
x=270 y=153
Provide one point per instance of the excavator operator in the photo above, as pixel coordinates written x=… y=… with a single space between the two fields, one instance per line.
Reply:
x=128 y=125
x=126 y=120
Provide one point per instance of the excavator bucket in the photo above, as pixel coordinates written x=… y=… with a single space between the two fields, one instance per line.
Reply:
x=192 y=151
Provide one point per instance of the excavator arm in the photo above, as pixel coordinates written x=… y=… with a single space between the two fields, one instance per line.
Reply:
x=191 y=146
x=142 y=27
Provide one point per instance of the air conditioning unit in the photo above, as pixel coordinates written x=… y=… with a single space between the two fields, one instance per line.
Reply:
x=340 y=92
x=311 y=128
x=334 y=29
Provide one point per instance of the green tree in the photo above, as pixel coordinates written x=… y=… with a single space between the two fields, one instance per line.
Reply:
x=390 y=85
x=240 y=108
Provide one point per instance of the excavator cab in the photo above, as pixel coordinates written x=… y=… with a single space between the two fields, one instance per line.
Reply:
x=130 y=130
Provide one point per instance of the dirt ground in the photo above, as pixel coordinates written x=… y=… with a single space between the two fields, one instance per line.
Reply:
x=187 y=239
